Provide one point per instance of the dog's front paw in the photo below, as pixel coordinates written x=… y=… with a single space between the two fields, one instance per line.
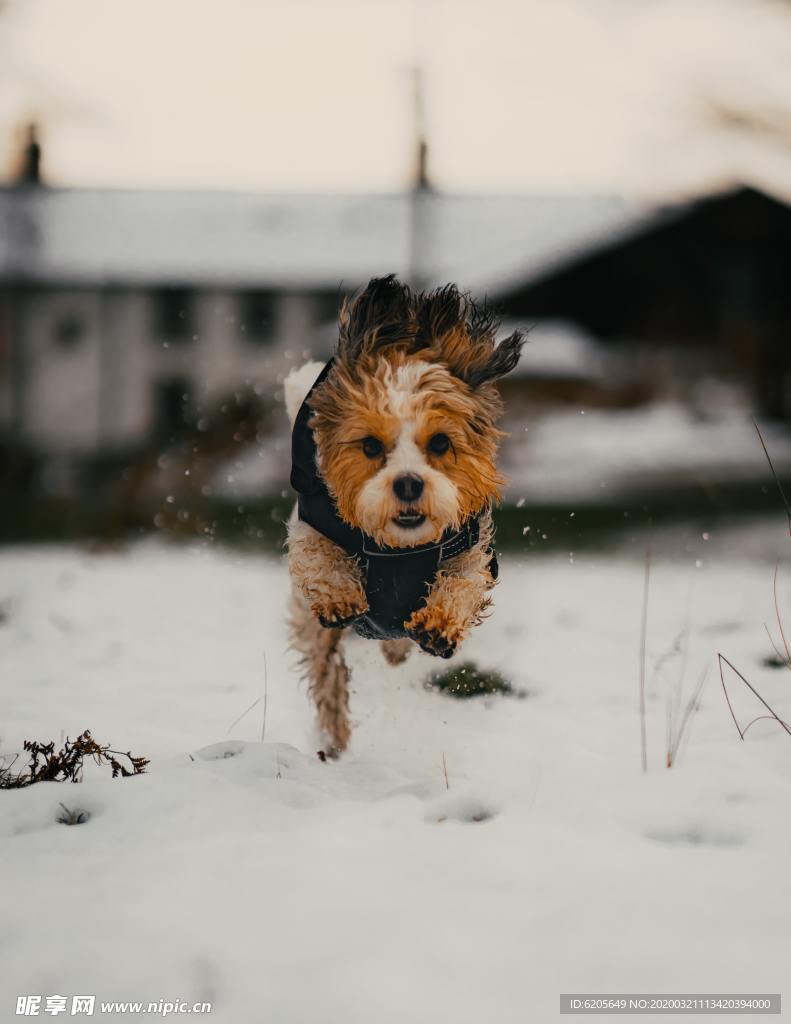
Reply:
x=433 y=633
x=434 y=643
x=340 y=611
x=334 y=620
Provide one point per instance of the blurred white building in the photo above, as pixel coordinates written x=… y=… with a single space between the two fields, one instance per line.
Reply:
x=121 y=310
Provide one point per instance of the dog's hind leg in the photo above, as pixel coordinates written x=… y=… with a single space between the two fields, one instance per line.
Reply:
x=326 y=672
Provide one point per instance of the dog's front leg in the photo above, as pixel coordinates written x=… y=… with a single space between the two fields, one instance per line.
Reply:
x=329 y=579
x=457 y=601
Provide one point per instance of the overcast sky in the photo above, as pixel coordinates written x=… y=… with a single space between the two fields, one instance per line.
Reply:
x=519 y=95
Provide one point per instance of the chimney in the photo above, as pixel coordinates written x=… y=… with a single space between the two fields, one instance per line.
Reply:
x=29 y=160
x=421 y=179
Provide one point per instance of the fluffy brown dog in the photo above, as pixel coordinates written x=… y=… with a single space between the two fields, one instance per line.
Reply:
x=393 y=458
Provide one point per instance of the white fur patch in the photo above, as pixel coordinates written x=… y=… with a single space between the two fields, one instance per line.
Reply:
x=377 y=504
x=403 y=385
x=297 y=385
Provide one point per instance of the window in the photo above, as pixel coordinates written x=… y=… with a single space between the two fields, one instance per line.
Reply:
x=69 y=331
x=172 y=407
x=258 y=316
x=173 y=314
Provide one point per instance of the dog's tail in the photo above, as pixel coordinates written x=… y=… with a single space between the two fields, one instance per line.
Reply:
x=296 y=386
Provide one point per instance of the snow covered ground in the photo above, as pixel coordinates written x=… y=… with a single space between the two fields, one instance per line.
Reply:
x=279 y=888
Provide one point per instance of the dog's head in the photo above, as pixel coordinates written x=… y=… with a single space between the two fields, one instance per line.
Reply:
x=406 y=422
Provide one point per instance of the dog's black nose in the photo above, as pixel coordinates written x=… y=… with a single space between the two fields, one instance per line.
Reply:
x=408 y=487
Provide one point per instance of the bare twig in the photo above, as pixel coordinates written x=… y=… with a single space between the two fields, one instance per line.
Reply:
x=685 y=725
x=263 y=697
x=759 y=718
x=752 y=689
x=680 y=647
x=5 y=768
x=779 y=618
x=669 y=734
x=780 y=657
x=445 y=771
x=236 y=721
x=266 y=697
x=787 y=660
x=774 y=474
x=643 y=631
x=682 y=672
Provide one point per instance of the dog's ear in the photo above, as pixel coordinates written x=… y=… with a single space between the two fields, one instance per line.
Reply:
x=502 y=359
x=379 y=315
x=440 y=313
x=463 y=332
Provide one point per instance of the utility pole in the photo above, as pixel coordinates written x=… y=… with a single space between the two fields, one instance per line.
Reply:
x=419 y=205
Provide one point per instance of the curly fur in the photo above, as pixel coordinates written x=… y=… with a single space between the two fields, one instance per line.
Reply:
x=444 y=325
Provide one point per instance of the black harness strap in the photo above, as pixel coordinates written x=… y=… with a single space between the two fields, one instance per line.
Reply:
x=396 y=579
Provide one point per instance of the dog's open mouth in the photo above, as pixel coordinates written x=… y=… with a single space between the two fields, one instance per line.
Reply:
x=409 y=520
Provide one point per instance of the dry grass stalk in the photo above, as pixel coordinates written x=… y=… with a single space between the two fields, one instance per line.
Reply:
x=772 y=714
x=783 y=660
x=787 y=658
x=774 y=474
x=643 y=632
x=247 y=711
x=679 y=728
x=266 y=699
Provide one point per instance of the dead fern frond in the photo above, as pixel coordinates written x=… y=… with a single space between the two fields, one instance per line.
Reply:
x=66 y=765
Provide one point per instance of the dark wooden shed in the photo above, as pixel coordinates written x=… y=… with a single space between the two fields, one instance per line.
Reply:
x=713 y=277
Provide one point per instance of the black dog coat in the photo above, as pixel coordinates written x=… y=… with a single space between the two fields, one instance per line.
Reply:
x=396 y=579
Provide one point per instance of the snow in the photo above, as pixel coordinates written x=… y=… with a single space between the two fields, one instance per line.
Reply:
x=600 y=453
x=258 y=469
x=283 y=240
x=558 y=348
x=281 y=888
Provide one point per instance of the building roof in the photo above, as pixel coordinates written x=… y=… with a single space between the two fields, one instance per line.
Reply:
x=485 y=243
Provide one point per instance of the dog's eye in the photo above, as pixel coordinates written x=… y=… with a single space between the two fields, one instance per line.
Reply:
x=372 y=447
x=439 y=444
